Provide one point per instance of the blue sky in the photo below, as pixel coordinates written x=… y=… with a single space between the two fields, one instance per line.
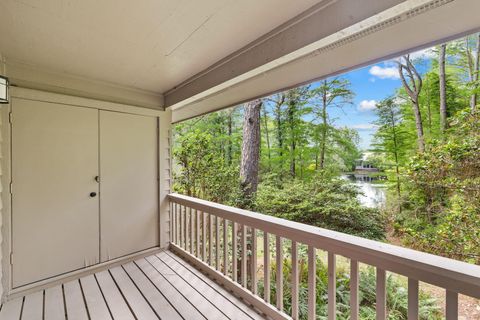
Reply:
x=370 y=85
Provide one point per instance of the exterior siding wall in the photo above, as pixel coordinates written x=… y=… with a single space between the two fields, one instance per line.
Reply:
x=165 y=126
x=5 y=199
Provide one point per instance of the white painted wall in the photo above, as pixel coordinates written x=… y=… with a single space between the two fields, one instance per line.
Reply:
x=5 y=212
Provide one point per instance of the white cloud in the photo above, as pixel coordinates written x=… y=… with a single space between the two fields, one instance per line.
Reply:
x=366 y=105
x=423 y=54
x=364 y=126
x=384 y=72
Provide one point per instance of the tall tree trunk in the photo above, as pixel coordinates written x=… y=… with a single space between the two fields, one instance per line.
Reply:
x=323 y=142
x=474 y=68
x=413 y=88
x=267 y=136
x=429 y=106
x=419 y=126
x=279 y=123
x=291 y=120
x=230 y=142
x=397 y=165
x=250 y=148
x=443 y=91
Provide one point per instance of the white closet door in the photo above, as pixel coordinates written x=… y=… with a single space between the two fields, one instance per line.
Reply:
x=55 y=222
x=128 y=184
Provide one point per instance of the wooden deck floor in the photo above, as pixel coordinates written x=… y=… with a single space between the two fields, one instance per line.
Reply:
x=161 y=286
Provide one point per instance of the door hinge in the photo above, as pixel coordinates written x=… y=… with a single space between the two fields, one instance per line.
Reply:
x=11 y=187
x=11 y=258
x=10 y=117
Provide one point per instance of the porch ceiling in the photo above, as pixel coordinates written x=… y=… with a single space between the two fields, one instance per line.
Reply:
x=199 y=56
x=149 y=45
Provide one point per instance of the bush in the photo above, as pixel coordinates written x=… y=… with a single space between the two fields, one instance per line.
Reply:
x=397 y=293
x=325 y=201
x=443 y=210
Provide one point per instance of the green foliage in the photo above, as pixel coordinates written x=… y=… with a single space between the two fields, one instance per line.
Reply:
x=445 y=191
x=397 y=294
x=325 y=201
x=202 y=173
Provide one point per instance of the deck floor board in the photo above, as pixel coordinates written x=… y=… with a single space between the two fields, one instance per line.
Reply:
x=161 y=286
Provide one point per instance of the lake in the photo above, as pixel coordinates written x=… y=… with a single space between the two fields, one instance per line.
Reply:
x=372 y=192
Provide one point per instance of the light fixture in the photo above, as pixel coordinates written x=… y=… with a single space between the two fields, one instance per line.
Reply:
x=3 y=89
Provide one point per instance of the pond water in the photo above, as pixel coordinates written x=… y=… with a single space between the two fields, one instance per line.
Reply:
x=372 y=191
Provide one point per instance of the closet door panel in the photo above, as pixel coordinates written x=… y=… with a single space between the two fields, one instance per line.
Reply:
x=55 y=219
x=128 y=184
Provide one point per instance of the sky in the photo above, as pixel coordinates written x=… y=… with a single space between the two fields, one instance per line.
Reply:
x=370 y=85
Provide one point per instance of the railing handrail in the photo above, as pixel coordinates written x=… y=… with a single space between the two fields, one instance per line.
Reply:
x=453 y=275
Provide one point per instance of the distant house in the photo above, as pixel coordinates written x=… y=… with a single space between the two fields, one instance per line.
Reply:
x=365 y=165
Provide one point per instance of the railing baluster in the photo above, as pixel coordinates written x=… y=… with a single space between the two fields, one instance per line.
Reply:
x=217 y=242
x=354 y=306
x=381 y=294
x=192 y=228
x=412 y=299
x=175 y=237
x=204 y=236
x=182 y=228
x=279 y=275
x=234 y=251
x=266 y=267
x=451 y=310
x=173 y=230
x=225 y=246
x=243 y=267
x=185 y=228
x=254 y=261
x=210 y=240
x=332 y=286
x=170 y=220
x=312 y=275
x=197 y=218
x=294 y=280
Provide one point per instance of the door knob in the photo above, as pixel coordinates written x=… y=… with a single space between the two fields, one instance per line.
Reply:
x=93 y=194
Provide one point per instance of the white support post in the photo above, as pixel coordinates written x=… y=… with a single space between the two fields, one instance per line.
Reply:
x=234 y=252
x=412 y=299
x=332 y=286
x=266 y=267
x=254 y=261
x=279 y=275
x=312 y=275
x=295 y=287
x=451 y=309
x=243 y=268
x=225 y=246
x=354 y=304
x=381 y=294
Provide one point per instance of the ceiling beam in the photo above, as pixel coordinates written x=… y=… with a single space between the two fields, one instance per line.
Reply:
x=289 y=41
x=408 y=25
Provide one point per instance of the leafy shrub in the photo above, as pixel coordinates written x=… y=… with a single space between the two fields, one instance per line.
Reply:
x=397 y=293
x=325 y=201
x=443 y=209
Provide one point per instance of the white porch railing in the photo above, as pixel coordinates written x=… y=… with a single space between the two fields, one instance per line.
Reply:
x=210 y=235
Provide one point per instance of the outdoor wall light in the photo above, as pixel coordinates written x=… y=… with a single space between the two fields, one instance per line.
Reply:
x=3 y=90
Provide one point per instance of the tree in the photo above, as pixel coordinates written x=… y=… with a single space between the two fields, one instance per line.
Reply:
x=250 y=149
x=330 y=93
x=267 y=135
x=473 y=60
x=295 y=101
x=443 y=90
x=389 y=138
x=413 y=87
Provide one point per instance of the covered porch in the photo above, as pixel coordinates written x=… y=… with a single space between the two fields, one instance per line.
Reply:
x=158 y=286
x=91 y=228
